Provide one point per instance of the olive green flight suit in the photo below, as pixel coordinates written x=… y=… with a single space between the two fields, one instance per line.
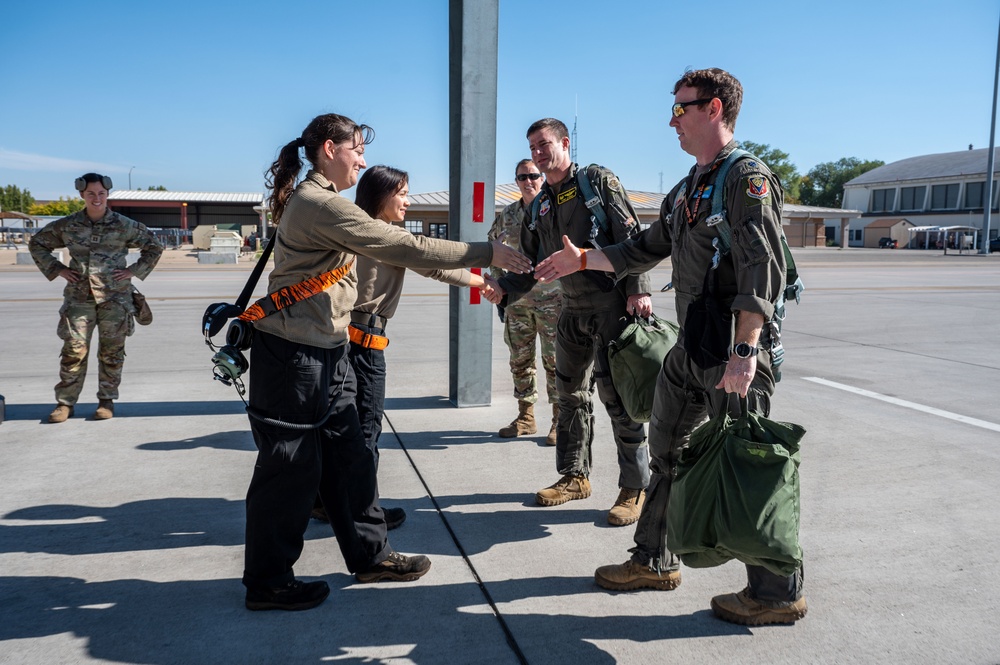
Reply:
x=593 y=314
x=750 y=278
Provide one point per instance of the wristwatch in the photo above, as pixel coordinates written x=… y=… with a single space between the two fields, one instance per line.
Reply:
x=744 y=350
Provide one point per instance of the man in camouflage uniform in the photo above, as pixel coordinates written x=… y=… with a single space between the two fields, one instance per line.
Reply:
x=98 y=293
x=594 y=313
x=535 y=314
x=749 y=279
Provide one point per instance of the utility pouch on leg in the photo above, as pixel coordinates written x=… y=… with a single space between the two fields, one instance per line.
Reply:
x=708 y=328
x=143 y=315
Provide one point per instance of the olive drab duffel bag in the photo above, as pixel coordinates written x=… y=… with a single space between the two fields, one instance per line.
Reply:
x=736 y=494
x=635 y=359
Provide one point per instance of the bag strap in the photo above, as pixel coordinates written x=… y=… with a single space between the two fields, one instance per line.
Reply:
x=258 y=269
x=289 y=295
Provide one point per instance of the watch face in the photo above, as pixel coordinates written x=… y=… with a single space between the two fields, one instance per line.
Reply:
x=743 y=350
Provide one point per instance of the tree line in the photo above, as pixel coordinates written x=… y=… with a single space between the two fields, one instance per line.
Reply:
x=13 y=198
x=822 y=186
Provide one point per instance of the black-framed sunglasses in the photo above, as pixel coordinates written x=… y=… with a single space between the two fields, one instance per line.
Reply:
x=521 y=177
x=678 y=108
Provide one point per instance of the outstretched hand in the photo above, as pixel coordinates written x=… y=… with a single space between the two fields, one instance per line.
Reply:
x=509 y=259
x=559 y=264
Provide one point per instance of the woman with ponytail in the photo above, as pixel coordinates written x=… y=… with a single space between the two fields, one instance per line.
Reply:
x=301 y=372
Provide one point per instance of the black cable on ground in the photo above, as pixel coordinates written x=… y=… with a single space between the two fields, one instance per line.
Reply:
x=511 y=641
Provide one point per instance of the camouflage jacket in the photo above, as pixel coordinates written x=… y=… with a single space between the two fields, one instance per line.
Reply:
x=509 y=221
x=96 y=249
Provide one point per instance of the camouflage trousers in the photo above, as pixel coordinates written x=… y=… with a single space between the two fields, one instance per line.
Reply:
x=522 y=324
x=77 y=322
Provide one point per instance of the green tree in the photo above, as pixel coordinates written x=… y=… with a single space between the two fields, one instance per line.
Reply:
x=59 y=208
x=14 y=198
x=824 y=184
x=158 y=188
x=779 y=163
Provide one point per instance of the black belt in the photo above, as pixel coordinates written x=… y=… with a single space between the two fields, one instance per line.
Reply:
x=369 y=319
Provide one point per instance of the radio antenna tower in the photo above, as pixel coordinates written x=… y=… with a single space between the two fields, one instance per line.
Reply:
x=576 y=108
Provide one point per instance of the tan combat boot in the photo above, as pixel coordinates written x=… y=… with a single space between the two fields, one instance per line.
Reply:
x=61 y=414
x=550 y=440
x=566 y=489
x=631 y=575
x=742 y=609
x=627 y=507
x=523 y=424
x=105 y=410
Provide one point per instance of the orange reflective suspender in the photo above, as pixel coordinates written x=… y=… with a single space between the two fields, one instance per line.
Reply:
x=290 y=295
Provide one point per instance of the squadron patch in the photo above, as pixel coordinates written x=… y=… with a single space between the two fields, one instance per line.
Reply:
x=546 y=207
x=757 y=190
x=566 y=195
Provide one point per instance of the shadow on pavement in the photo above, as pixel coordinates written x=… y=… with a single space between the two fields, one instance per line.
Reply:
x=40 y=412
x=235 y=440
x=153 y=524
x=203 y=621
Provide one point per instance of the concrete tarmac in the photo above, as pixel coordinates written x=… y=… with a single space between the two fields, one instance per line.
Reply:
x=121 y=541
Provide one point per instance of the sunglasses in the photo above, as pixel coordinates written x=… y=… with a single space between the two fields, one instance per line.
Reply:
x=521 y=177
x=678 y=108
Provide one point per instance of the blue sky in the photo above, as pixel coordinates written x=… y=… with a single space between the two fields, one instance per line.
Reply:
x=200 y=96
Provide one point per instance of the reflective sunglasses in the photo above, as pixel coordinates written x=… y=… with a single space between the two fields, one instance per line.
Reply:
x=521 y=177
x=678 y=108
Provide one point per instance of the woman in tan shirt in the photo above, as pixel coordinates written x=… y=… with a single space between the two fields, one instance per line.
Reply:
x=382 y=193
x=301 y=374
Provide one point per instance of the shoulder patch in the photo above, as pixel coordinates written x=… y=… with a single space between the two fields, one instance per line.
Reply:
x=758 y=192
x=614 y=184
x=545 y=207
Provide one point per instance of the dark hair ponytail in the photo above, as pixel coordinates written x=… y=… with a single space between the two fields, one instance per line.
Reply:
x=376 y=186
x=280 y=178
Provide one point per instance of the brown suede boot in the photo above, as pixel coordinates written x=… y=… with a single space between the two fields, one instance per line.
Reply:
x=61 y=413
x=550 y=440
x=105 y=410
x=523 y=424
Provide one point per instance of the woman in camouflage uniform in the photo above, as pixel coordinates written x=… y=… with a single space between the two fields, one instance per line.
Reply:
x=98 y=293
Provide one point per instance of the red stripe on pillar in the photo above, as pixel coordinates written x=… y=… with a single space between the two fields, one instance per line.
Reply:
x=478 y=194
x=474 y=295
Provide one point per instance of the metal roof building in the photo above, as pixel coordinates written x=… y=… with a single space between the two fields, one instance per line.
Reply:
x=941 y=191
x=187 y=210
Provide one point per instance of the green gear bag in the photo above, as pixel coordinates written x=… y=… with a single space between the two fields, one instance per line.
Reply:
x=635 y=359
x=736 y=495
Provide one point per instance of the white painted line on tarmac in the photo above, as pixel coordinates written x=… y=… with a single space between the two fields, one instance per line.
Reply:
x=909 y=405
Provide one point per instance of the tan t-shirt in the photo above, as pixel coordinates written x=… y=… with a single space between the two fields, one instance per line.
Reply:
x=320 y=230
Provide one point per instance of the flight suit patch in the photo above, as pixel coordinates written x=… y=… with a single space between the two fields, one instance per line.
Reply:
x=545 y=207
x=565 y=196
x=614 y=184
x=757 y=192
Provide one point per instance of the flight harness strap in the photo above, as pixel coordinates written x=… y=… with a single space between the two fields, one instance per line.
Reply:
x=591 y=199
x=593 y=202
x=719 y=219
x=289 y=295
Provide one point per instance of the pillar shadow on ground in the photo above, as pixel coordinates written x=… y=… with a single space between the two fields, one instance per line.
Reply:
x=85 y=410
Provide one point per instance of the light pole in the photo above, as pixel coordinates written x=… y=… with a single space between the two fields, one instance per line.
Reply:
x=130 y=178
